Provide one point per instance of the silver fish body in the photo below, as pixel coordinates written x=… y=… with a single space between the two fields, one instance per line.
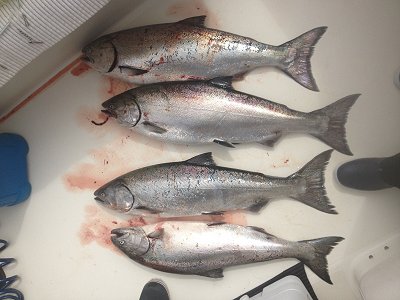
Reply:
x=187 y=50
x=206 y=249
x=198 y=186
x=212 y=111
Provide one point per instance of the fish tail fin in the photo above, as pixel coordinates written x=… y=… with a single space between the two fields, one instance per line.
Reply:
x=335 y=133
x=296 y=62
x=314 y=193
x=316 y=258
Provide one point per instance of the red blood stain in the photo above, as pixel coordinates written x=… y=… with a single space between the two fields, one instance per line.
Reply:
x=98 y=225
x=39 y=90
x=106 y=165
x=80 y=69
x=116 y=86
x=186 y=9
x=116 y=158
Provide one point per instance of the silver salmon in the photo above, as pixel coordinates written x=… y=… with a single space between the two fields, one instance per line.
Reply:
x=196 y=112
x=198 y=186
x=187 y=50
x=206 y=249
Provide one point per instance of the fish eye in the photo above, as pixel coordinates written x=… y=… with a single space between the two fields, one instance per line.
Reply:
x=121 y=242
x=103 y=194
x=111 y=106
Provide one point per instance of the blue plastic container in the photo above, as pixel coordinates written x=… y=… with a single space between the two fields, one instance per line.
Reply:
x=14 y=183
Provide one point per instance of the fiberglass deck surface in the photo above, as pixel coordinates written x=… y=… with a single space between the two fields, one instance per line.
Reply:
x=60 y=236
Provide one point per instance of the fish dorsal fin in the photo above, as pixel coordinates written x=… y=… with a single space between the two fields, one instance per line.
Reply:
x=224 y=82
x=156 y=234
x=196 y=21
x=262 y=230
x=204 y=159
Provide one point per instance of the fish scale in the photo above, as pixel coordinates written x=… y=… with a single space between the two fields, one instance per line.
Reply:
x=187 y=50
x=200 y=112
x=205 y=249
x=198 y=186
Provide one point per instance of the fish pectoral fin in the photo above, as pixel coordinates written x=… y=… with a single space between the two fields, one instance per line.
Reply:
x=217 y=273
x=153 y=127
x=156 y=234
x=130 y=71
x=213 y=213
x=148 y=209
x=262 y=230
x=224 y=82
x=216 y=223
x=257 y=207
x=223 y=143
x=204 y=159
x=196 y=21
x=271 y=139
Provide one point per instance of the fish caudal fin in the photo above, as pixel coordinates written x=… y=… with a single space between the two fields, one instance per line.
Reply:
x=335 y=133
x=314 y=193
x=298 y=54
x=316 y=258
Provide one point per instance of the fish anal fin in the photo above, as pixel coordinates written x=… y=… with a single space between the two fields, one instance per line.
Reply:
x=204 y=159
x=195 y=21
x=156 y=234
x=216 y=273
x=271 y=139
x=223 y=143
x=130 y=71
x=224 y=82
x=257 y=206
x=153 y=127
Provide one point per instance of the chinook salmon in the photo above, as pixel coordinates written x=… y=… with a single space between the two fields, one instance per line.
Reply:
x=195 y=112
x=206 y=249
x=198 y=186
x=187 y=50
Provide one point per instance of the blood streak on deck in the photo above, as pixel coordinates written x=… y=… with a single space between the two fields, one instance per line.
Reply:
x=40 y=89
x=80 y=69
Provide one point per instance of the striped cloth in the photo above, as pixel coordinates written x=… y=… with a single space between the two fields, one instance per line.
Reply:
x=29 y=27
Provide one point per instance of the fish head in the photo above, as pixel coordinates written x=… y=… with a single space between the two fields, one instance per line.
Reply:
x=123 y=108
x=101 y=55
x=115 y=195
x=133 y=241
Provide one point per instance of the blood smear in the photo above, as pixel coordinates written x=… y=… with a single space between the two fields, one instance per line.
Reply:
x=98 y=225
x=80 y=69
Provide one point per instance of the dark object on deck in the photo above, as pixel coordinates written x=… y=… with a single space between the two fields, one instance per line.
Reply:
x=371 y=174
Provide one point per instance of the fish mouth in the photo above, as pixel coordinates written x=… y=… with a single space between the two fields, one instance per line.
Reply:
x=99 y=200
x=117 y=233
x=87 y=59
x=109 y=113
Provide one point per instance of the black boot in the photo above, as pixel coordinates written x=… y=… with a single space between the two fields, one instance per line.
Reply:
x=371 y=174
x=154 y=290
